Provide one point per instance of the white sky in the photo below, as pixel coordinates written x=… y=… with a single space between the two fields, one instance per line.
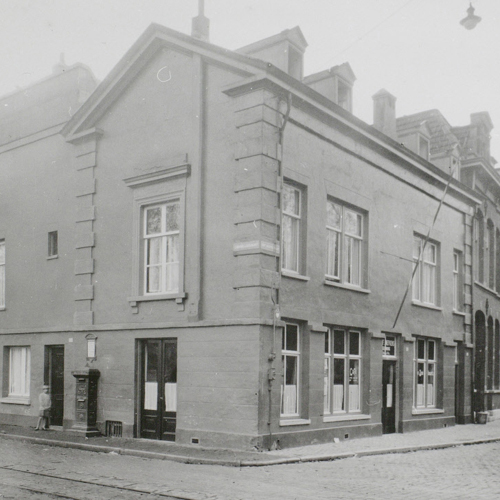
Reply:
x=416 y=49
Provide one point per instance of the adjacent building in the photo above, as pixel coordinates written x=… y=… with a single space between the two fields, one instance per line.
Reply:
x=222 y=248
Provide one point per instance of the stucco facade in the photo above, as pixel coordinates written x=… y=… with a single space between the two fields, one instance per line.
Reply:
x=294 y=227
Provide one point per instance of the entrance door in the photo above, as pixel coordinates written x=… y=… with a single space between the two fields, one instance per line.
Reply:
x=388 y=397
x=54 y=377
x=159 y=389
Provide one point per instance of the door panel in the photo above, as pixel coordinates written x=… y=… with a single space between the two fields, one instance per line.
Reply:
x=159 y=389
x=388 y=397
x=54 y=377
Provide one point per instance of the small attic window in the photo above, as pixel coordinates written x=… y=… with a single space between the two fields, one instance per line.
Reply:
x=294 y=63
x=344 y=96
x=423 y=147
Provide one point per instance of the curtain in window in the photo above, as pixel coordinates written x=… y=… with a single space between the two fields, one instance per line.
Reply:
x=19 y=371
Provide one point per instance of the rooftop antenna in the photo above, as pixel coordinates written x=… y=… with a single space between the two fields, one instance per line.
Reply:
x=200 y=25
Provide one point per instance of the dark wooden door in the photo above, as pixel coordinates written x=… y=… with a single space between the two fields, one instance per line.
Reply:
x=159 y=389
x=54 y=377
x=388 y=397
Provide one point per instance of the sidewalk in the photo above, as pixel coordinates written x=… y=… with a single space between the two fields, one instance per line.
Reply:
x=388 y=443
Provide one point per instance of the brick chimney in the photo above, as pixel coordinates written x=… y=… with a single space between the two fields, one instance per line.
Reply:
x=384 y=113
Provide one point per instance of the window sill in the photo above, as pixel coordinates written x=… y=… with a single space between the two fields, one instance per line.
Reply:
x=297 y=276
x=347 y=416
x=426 y=411
x=295 y=421
x=16 y=400
x=345 y=286
x=52 y=257
x=426 y=306
x=458 y=313
x=486 y=288
x=2 y=308
x=492 y=391
x=163 y=296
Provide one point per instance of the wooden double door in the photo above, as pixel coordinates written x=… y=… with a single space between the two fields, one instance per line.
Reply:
x=158 y=394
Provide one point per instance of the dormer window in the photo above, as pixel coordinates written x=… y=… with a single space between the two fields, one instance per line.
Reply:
x=423 y=147
x=294 y=63
x=344 y=95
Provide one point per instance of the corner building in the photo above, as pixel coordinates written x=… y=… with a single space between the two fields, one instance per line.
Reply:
x=221 y=248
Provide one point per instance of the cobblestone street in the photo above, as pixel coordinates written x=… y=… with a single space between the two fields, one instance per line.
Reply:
x=453 y=473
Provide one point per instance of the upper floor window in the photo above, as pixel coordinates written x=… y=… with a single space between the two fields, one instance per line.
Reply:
x=423 y=147
x=457 y=281
x=425 y=279
x=290 y=356
x=52 y=244
x=2 y=274
x=344 y=244
x=342 y=371
x=161 y=248
x=292 y=227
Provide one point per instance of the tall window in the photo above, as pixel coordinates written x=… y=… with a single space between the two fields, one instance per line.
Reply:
x=342 y=371
x=290 y=356
x=292 y=216
x=2 y=274
x=52 y=244
x=19 y=371
x=344 y=244
x=161 y=248
x=457 y=281
x=490 y=239
x=425 y=373
x=425 y=279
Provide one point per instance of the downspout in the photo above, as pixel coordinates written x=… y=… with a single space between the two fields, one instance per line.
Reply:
x=275 y=289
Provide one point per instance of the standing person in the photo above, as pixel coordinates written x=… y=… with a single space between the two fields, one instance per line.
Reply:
x=44 y=413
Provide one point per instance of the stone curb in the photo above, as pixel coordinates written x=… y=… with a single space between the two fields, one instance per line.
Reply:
x=245 y=463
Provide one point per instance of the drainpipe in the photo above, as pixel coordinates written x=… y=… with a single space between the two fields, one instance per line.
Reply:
x=275 y=289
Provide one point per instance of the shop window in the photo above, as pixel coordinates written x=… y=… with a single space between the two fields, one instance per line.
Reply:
x=290 y=356
x=342 y=371
x=425 y=373
x=345 y=244
x=425 y=280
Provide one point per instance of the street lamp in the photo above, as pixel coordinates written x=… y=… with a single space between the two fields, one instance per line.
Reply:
x=470 y=22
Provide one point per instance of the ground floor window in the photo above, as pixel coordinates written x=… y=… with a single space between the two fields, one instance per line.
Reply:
x=290 y=356
x=425 y=373
x=342 y=371
x=19 y=371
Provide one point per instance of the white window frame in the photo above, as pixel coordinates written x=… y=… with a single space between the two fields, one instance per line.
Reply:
x=2 y=274
x=340 y=264
x=457 y=281
x=290 y=397
x=425 y=367
x=348 y=400
x=291 y=242
x=156 y=187
x=163 y=237
x=19 y=375
x=425 y=280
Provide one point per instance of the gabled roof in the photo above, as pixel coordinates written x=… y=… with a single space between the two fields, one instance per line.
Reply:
x=441 y=133
x=293 y=35
x=154 y=38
